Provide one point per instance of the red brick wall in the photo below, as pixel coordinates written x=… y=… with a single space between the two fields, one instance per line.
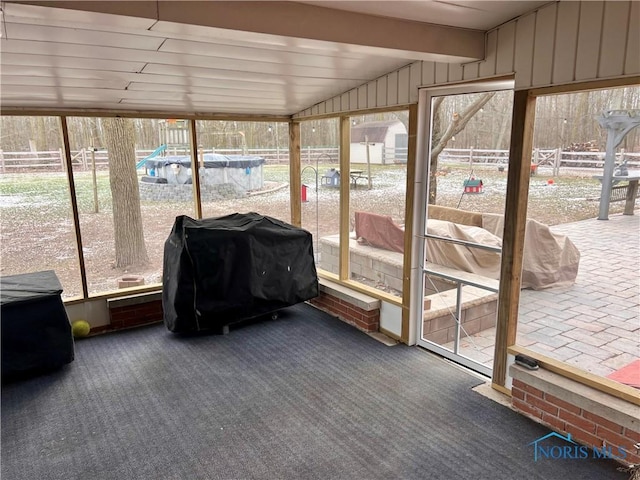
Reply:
x=585 y=427
x=367 y=321
x=134 y=315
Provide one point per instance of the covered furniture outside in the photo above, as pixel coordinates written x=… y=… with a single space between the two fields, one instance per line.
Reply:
x=550 y=259
x=218 y=271
x=379 y=231
x=36 y=332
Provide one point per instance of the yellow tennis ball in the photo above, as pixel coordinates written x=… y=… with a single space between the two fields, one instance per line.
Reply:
x=80 y=328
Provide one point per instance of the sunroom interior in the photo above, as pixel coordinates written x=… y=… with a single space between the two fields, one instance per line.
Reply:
x=291 y=70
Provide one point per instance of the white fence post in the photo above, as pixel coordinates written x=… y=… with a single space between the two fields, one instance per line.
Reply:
x=471 y=157
x=556 y=162
x=62 y=162
x=2 y=160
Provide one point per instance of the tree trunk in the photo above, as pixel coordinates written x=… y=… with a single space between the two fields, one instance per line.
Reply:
x=436 y=134
x=119 y=136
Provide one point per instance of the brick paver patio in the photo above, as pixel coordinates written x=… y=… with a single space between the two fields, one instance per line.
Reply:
x=594 y=324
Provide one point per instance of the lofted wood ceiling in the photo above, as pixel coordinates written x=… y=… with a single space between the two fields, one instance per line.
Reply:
x=237 y=58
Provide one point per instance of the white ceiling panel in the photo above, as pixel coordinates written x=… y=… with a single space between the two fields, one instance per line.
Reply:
x=81 y=37
x=9 y=91
x=47 y=61
x=55 y=92
x=213 y=90
x=36 y=81
x=360 y=71
x=171 y=83
x=210 y=99
x=239 y=75
x=211 y=49
x=252 y=39
x=200 y=34
x=144 y=55
x=186 y=106
x=66 y=73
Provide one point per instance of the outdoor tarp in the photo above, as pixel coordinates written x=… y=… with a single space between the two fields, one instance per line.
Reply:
x=549 y=259
x=36 y=333
x=379 y=231
x=217 y=271
x=461 y=257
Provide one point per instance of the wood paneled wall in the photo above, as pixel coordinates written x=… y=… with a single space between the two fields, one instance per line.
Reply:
x=559 y=44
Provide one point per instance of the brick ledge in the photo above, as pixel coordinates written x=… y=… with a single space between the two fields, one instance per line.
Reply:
x=357 y=299
x=600 y=403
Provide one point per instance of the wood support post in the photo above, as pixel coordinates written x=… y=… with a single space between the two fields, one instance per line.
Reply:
x=65 y=153
x=515 y=220
x=345 y=165
x=408 y=221
x=295 y=180
x=195 y=169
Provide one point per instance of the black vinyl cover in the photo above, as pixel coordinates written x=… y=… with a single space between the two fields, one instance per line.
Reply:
x=36 y=333
x=209 y=160
x=218 y=271
x=29 y=287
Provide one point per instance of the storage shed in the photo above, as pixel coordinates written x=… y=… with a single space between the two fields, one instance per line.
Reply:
x=387 y=142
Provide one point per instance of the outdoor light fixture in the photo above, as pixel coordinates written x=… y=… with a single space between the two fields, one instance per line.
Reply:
x=353 y=122
x=269 y=128
x=313 y=129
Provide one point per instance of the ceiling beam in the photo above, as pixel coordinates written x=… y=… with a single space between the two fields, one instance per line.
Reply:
x=354 y=31
x=97 y=112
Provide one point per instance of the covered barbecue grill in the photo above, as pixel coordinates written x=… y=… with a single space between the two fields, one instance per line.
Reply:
x=218 y=271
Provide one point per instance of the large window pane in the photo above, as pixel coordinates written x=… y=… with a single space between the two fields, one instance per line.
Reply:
x=246 y=168
x=377 y=178
x=133 y=177
x=35 y=208
x=589 y=317
x=320 y=162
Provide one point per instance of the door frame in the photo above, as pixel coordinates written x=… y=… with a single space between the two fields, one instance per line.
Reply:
x=421 y=196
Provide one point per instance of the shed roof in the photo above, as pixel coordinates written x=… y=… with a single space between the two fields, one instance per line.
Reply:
x=374 y=132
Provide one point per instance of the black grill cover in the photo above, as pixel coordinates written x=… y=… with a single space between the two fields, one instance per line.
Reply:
x=218 y=271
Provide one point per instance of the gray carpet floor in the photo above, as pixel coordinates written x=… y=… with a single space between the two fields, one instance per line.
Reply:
x=301 y=397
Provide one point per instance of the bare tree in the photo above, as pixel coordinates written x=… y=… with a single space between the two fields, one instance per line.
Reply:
x=130 y=248
x=441 y=138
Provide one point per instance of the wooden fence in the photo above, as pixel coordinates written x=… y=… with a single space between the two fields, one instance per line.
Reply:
x=556 y=159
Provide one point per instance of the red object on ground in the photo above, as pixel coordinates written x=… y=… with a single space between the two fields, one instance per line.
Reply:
x=629 y=375
x=550 y=181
